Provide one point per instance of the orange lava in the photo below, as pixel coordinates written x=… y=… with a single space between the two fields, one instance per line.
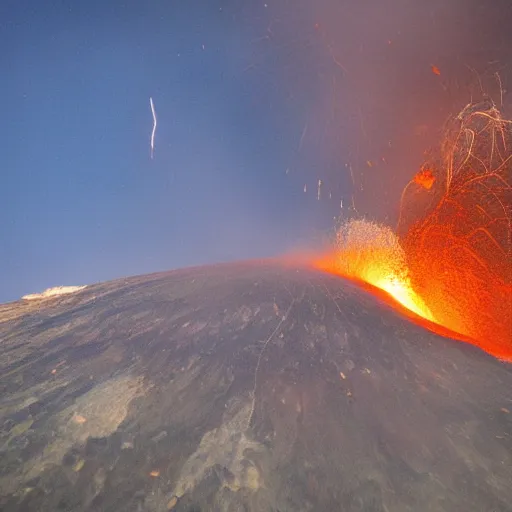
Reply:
x=460 y=251
x=452 y=264
x=422 y=295
x=399 y=295
x=370 y=253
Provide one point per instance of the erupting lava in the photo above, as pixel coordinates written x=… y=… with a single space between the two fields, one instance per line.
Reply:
x=450 y=261
x=368 y=252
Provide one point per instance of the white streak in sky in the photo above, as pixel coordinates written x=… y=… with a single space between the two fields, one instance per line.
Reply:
x=154 y=126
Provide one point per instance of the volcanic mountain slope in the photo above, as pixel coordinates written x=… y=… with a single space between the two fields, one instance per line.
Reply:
x=251 y=386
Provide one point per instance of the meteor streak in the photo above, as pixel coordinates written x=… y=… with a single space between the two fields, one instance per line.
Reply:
x=154 y=126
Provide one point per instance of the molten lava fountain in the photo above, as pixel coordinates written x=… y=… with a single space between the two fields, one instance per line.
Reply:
x=370 y=253
x=450 y=261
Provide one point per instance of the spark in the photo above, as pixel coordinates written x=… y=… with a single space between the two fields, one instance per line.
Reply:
x=351 y=175
x=333 y=55
x=154 y=126
x=498 y=78
x=304 y=131
x=318 y=190
x=361 y=122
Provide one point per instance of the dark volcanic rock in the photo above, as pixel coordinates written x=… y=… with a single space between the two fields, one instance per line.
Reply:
x=252 y=386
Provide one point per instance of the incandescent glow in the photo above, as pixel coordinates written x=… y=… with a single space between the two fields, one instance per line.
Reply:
x=425 y=179
x=456 y=229
x=401 y=290
x=368 y=252
x=152 y=143
x=450 y=260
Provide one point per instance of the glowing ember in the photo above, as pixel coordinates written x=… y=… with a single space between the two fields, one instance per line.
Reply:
x=436 y=70
x=425 y=179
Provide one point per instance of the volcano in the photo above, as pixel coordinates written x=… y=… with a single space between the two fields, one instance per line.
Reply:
x=257 y=386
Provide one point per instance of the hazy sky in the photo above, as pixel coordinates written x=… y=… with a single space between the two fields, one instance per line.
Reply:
x=254 y=101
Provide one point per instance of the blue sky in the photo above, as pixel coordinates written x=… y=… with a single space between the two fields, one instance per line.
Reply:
x=235 y=85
